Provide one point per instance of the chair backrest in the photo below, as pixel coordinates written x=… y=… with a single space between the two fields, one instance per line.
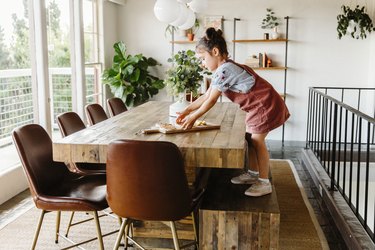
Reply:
x=95 y=113
x=146 y=180
x=69 y=123
x=115 y=106
x=34 y=148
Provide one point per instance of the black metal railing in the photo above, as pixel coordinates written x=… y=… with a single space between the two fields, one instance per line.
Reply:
x=341 y=133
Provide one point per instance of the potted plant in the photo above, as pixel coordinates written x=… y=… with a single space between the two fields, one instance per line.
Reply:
x=271 y=22
x=129 y=78
x=355 y=22
x=185 y=76
x=191 y=32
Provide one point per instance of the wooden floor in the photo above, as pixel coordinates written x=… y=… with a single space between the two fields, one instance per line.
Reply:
x=291 y=150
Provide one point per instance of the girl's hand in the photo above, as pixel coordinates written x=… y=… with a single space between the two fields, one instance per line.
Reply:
x=181 y=116
x=188 y=122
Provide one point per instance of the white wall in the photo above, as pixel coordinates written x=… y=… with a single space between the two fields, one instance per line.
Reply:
x=316 y=56
x=13 y=181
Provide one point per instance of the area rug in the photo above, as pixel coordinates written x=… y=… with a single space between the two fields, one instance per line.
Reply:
x=299 y=228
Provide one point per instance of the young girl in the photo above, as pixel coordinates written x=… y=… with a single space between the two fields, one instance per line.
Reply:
x=265 y=109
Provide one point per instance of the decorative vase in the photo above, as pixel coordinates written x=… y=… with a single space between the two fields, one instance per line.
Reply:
x=275 y=34
x=179 y=105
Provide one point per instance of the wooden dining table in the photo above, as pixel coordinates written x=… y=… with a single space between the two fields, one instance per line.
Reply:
x=224 y=147
x=217 y=148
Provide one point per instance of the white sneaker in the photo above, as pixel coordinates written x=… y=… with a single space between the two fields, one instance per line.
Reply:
x=260 y=188
x=245 y=178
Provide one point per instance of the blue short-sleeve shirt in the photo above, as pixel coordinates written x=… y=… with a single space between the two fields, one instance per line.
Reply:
x=232 y=77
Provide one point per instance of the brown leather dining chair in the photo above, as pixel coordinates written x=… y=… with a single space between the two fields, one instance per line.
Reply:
x=115 y=106
x=69 y=123
x=95 y=113
x=53 y=187
x=146 y=180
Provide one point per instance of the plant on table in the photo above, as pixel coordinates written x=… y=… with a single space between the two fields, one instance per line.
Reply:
x=129 y=77
x=185 y=75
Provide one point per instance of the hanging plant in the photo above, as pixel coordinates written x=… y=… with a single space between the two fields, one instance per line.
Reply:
x=355 y=22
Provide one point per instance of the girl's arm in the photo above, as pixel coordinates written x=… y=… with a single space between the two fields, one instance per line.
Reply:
x=193 y=106
x=205 y=105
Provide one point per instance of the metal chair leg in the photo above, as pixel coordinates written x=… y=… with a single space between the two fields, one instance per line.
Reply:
x=70 y=224
x=98 y=230
x=175 y=237
x=120 y=234
x=120 y=223
x=195 y=229
x=58 y=219
x=41 y=217
x=129 y=225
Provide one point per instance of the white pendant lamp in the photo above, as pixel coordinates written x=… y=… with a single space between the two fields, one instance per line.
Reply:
x=166 y=10
x=184 y=1
x=198 y=6
x=182 y=18
x=189 y=21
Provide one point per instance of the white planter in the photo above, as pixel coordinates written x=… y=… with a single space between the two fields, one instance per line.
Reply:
x=275 y=34
x=178 y=106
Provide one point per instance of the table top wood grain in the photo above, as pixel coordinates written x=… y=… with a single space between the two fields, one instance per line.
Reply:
x=220 y=148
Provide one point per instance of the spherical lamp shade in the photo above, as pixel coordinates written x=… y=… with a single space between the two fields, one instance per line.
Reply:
x=166 y=10
x=198 y=6
x=189 y=21
x=182 y=18
x=184 y=1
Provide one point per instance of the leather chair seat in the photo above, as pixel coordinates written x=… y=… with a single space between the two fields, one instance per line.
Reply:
x=86 y=193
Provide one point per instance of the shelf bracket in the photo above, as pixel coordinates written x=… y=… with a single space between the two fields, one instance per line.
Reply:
x=234 y=36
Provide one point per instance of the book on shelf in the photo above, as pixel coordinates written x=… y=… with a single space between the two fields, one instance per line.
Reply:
x=263 y=58
x=252 y=62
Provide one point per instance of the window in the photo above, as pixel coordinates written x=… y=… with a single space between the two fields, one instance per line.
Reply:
x=93 y=65
x=59 y=57
x=66 y=33
x=16 y=93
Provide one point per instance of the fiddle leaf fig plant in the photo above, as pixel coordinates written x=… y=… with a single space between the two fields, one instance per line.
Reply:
x=129 y=77
x=355 y=22
x=185 y=74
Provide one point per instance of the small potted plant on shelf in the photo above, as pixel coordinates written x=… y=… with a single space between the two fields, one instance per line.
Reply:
x=185 y=76
x=129 y=77
x=190 y=33
x=355 y=23
x=271 y=22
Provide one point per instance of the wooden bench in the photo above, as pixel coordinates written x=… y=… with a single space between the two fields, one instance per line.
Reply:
x=230 y=220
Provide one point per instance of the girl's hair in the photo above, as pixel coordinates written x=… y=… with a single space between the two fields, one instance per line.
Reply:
x=213 y=39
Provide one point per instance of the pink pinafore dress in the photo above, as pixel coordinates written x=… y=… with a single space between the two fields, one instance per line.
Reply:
x=265 y=109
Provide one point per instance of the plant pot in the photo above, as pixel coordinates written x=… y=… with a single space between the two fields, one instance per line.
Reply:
x=179 y=105
x=190 y=36
x=275 y=34
x=353 y=27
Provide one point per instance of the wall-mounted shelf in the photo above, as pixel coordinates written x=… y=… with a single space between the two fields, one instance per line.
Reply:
x=284 y=67
x=269 y=68
x=182 y=42
x=260 y=40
